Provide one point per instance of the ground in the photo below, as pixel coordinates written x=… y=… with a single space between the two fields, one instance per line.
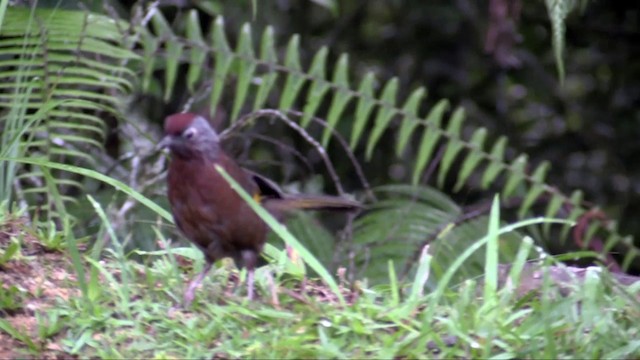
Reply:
x=41 y=277
x=129 y=311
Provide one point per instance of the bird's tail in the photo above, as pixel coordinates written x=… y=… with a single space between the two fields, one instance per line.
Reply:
x=312 y=202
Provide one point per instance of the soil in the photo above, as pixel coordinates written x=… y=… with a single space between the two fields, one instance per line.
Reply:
x=35 y=278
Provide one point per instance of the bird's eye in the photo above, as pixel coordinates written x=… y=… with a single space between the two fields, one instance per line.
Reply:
x=189 y=133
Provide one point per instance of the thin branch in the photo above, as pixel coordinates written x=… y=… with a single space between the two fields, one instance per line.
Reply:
x=300 y=130
x=271 y=113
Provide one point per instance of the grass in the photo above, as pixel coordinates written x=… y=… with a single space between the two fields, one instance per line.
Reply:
x=59 y=301
x=126 y=311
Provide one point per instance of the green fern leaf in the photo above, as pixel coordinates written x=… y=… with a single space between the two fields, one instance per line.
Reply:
x=430 y=137
x=553 y=207
x=576 y=211
x=632 y=252
x=558 y=11
x=295 y=80
x=453 y=132
x=409 y=122
x=515 y=176
x=363 y=111
x=223 y=59
x=78 y=70
x=496 y=164
x=269 y=57
x=197 y=54
x=473 y=157
x=173 y=54
x=319 y=85
x=386 y=110
x=537 y=188
x=341 y=96
x=247 y=66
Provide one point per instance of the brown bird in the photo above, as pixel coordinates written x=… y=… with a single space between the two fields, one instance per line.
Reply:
x=209 y=212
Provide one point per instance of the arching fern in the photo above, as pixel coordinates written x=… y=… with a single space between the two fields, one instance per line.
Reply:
x=63 y=72
x=80 y=74
x=558 y=11
x=262 y=79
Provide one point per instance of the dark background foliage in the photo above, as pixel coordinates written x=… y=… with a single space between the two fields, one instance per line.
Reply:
x=93 y=207
x=500 y=68
x=494 y=58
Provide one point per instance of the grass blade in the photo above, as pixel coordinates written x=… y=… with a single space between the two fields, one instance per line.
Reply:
x=284 y=234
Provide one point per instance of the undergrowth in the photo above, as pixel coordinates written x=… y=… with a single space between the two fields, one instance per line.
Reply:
x=129 y=309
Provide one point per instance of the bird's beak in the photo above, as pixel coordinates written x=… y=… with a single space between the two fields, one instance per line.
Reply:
x=164 y=143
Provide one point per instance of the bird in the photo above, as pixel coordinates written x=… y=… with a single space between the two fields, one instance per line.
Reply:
x=211 y=214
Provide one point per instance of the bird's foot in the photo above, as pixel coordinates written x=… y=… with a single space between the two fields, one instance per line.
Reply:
x=275 y=302
x=250 y=275
x=173 y=310
x=190 y=293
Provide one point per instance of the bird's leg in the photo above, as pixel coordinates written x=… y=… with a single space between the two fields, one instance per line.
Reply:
x=274 y=290
x=190 y=293
x=249 y=259
x=250 y=275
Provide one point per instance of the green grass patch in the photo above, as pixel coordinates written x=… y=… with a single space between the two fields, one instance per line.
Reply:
x=127 y=310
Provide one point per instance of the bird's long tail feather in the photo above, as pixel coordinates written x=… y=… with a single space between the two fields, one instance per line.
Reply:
x=313 y=202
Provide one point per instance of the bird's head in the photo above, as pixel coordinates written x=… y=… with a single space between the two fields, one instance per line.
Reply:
x=190 y=136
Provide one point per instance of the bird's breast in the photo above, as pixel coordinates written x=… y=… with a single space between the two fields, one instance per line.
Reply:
x=207 y=209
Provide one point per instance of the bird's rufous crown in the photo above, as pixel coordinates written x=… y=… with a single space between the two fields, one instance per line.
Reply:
x=175 y=124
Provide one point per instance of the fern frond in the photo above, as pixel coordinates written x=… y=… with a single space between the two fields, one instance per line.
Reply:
x=64 y=69
x=558 y=10
x=364 y=114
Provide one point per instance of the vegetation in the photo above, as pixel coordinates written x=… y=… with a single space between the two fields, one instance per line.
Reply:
x=127 y=312
x=87 y=261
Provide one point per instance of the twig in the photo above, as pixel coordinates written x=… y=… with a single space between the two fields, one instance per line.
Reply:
x=270 y=113
x=301 y=131
x=433 y=164
x=288 y=148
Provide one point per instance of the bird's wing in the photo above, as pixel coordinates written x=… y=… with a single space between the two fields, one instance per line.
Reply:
x=267 y=188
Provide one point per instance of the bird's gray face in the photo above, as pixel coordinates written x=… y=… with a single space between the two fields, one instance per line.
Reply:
x=190 y=136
